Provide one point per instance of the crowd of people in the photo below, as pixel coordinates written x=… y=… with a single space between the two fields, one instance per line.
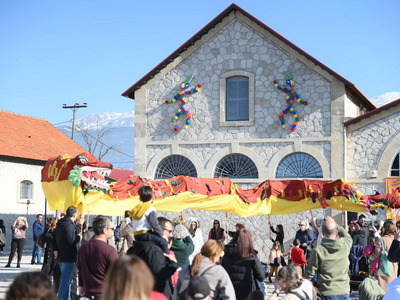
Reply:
x=151 y=257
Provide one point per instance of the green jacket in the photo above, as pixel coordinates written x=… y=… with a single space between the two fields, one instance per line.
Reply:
x=182 y=249
x=331 y=261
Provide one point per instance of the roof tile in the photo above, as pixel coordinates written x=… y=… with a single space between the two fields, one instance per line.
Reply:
x=33 y=138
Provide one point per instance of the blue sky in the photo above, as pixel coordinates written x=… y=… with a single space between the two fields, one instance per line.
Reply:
x=56 y=52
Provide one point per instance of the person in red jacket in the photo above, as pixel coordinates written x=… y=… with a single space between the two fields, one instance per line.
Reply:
x=297 y=255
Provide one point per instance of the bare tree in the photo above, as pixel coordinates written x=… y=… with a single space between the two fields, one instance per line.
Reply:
x=94 y=140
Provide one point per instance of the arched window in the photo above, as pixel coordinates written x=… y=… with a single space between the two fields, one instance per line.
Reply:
x=395 y=170
x=175 y=165
x=25 y=190
x=236 y=166
x=237 y=98
x=299 y=165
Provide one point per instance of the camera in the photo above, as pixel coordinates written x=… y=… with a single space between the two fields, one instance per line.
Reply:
x=319 y=222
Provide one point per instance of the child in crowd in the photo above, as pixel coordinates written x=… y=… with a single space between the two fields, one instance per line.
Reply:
x=275 y=259
x=145 y=225
x=297 y=255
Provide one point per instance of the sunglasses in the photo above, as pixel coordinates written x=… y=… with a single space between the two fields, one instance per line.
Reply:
x=112 y=228
x=169 y=230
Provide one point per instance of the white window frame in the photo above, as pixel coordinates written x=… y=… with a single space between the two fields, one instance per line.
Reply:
x=391 y=166
x=31 y=198
x=222 y=99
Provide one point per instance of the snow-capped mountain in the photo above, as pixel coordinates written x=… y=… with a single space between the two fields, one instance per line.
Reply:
x=385 y=98
x=120 y=136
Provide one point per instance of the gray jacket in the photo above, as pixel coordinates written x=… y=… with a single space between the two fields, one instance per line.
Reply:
x=218 y=279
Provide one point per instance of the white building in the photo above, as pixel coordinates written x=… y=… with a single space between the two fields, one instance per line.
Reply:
x=26 y=143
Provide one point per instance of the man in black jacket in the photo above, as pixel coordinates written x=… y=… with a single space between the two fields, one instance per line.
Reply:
x=161 y=265
x=65 y=249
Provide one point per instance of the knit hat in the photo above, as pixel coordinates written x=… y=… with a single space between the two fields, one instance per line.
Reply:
x=180 y=231
x=198 y=288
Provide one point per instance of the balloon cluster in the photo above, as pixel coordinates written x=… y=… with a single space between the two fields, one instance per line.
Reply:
x=180 y=97
x=291 y=96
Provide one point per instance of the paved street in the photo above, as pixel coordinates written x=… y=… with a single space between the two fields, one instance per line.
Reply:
x=7 y=274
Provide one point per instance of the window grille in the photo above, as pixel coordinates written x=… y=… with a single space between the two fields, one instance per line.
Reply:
x=236 y=166
x=299 y=165
x=175 y=165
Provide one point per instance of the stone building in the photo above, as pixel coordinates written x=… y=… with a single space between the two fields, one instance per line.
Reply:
x=235 y=122
x=26 y=143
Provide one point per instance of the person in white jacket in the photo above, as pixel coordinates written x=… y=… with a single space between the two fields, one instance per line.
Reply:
x=197 y=236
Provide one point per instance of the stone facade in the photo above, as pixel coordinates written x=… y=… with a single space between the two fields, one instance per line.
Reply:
x=239 y=46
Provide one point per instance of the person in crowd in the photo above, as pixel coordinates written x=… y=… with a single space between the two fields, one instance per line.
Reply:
x=129 y=278
x=18 y=229
x=217 y=233
x=3 y=236
x=66 y=238
x=393 y=289
x=297 y=255
x=275 y=260
x=198 y=288
x=95 y=258
x=31 y=285
x=288 y=285
x=280 y=235
x=330 y=260
x=357 y=234
x=162 y=265
x=238 y=226
x=205 y=264
x=145 y=226
x=388 y=232
x=306 y=286
x=196 y=235
x=38 y=229
x=182 y=245
x=50 y=264
x=362 y=223
x=305 y=236
x=242 y=264
x=125 y=235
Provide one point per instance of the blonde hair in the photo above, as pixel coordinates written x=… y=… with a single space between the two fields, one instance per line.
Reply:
x=129 y=278
x=210 y=249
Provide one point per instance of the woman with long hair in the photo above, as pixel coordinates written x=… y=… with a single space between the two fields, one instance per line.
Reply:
x=18 y=229
x=217 y=233
x=129 y=278
x=280 y=234
x=196 y=235
x=205 y=264
x=387 y=234
x=242 y=264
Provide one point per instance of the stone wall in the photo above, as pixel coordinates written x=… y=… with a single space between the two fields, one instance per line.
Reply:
x=257 y=225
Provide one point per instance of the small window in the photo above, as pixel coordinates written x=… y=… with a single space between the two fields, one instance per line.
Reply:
x=236 y=166
x=395 y=170
x=175 y=165
x=237 y=98
x=299 y=165
x=25 y=190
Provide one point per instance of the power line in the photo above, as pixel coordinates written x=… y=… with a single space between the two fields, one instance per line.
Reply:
x=112 y=149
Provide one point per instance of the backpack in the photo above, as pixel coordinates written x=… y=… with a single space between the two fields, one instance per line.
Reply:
x=369 y=289
x=117 y=233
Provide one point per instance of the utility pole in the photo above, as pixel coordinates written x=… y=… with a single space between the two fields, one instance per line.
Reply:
x=74 y=108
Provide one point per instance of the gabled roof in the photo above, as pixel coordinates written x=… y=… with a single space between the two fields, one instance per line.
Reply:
x=130 y=93
x=372 y=112
x=33 y=138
